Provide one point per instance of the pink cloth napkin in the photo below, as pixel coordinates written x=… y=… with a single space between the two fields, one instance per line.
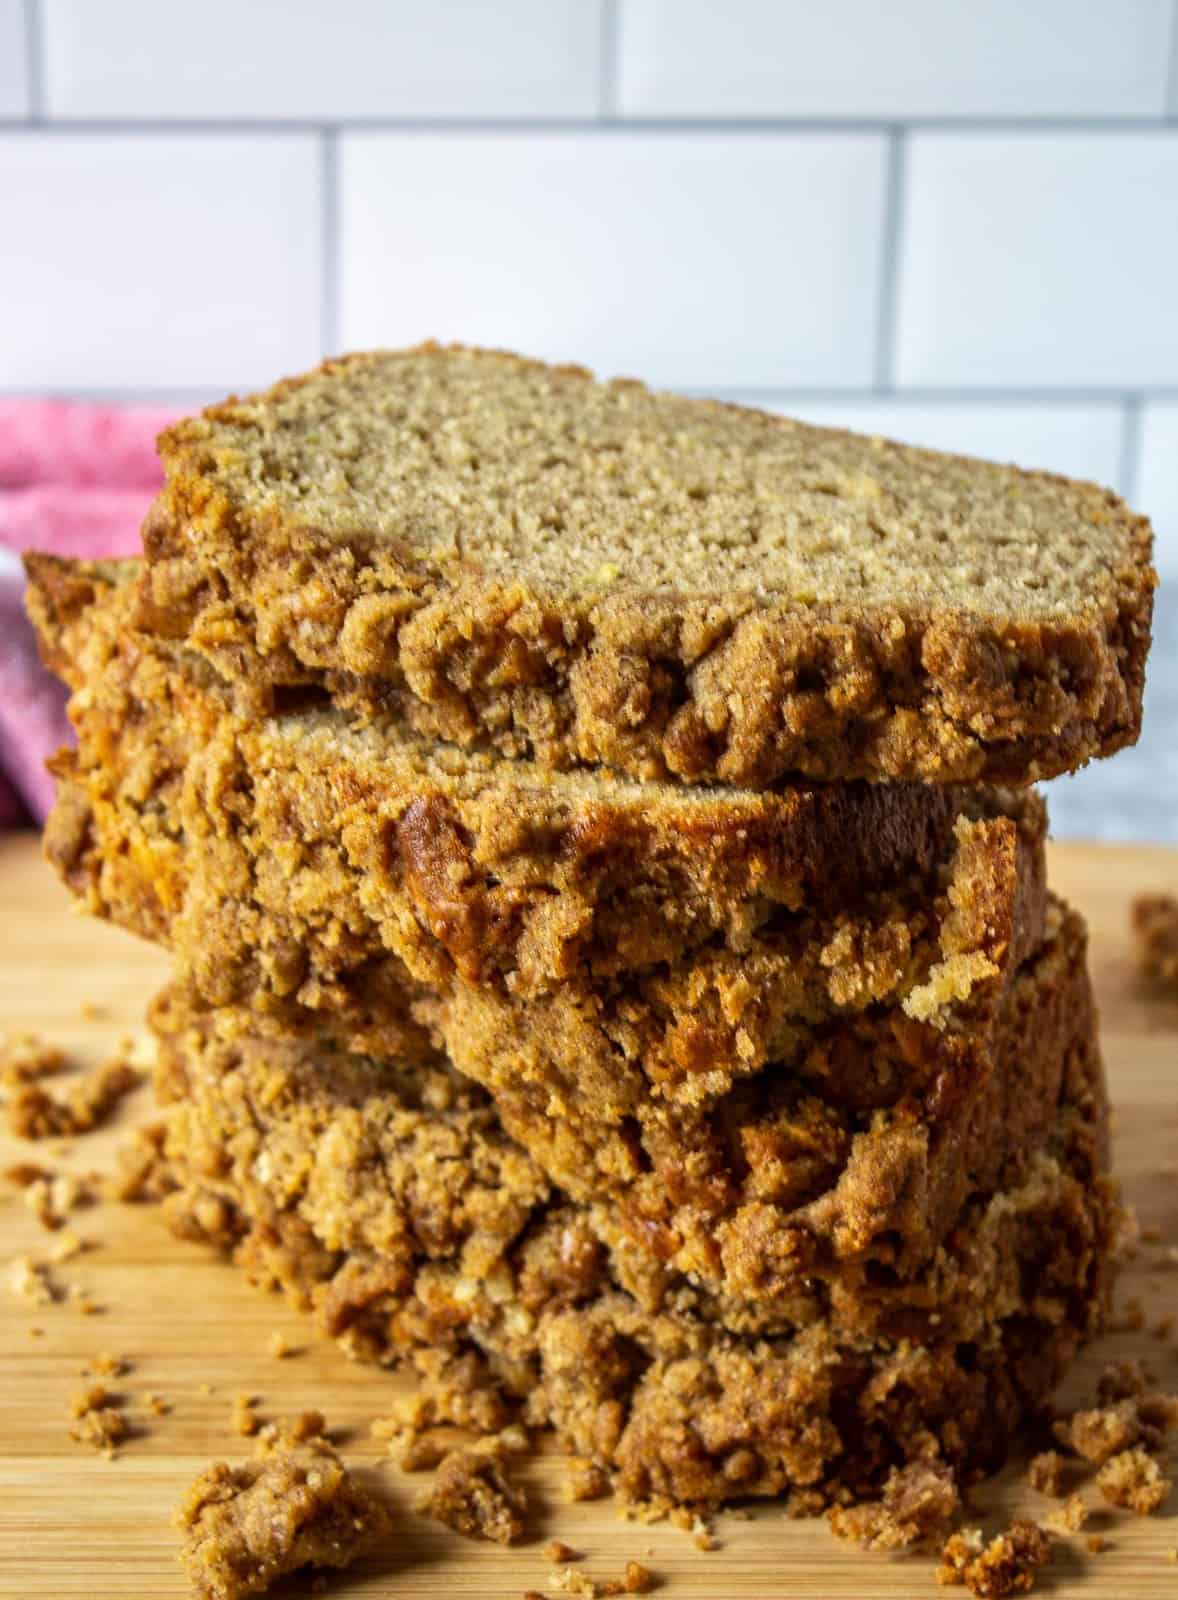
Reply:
x=75 y=480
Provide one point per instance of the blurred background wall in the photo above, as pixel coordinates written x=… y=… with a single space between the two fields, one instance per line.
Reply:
x=950 y=221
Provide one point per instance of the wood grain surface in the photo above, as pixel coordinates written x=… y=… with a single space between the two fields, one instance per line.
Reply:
x=75 y=1524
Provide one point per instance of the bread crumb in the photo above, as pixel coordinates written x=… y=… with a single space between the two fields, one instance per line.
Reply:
x=31 y=1281
x=705 y=1542
x=91 y=1011
x=422 y=1452
x=473 y=1495
x=1134 y=1480
x=1071 y=1516
x=1095 y=1544
x=246 y=1527
x=307 y=1428
x=571 y=1580
x=104 y=1365
x=66 y=1246
x=278 y=1346
x=98 y=1419
x=244 y=1420
x=144 y=1174
x=918 y=1501
x=635 y=1579
x=557 y=1551
x=1154 y=919
x=157 y=1405
x=1123 y=1380
x=1045 y=1474
x=1131 y=1319
x=33 y=1113
x=1106 y=1431
x=1005 y=1566
x=27 y=1058
x=587 y=1481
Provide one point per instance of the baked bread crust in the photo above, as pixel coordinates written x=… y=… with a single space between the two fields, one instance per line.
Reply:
x=384 y=1194
x=510 y=554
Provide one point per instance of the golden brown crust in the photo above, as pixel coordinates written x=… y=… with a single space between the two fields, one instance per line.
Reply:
x=855 y=1247
x=670 y=1399
x=846 y=1160
x=879 y=612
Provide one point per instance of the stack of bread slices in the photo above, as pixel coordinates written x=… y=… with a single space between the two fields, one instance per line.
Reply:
x=615 y=971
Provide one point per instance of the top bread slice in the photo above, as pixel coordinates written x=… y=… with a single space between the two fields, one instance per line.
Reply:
x=513 y=554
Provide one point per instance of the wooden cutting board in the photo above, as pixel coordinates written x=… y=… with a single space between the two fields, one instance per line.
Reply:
x=75 y=1524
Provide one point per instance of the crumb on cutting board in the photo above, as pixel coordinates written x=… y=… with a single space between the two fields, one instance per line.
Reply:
x=1071 y=1516
x=1005 y=1566
x=245 y=1527
x=472 y=1494
x=98 y=1419
x=1134 y=1480
x=34 y=1113
x=919 y=1501
x=1154 y=919
x=26 y=1057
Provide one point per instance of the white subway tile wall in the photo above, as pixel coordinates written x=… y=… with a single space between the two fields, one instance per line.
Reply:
x=14 y=59
x=162 y=259
x=354 y=58
x=1039 y=258
x=909 y=58
x=659 y=255
x=952 y=223
x=1157 y=480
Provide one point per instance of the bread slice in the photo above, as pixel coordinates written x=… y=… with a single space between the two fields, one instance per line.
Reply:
x=337 y=844
x=390 y=1199
x=514 y=555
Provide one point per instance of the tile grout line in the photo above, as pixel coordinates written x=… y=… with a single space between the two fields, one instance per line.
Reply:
x=884 y=366
x=1132 y=439
x=607 y=88
x=329 y=241
x=656 y=127
x=35 y=60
